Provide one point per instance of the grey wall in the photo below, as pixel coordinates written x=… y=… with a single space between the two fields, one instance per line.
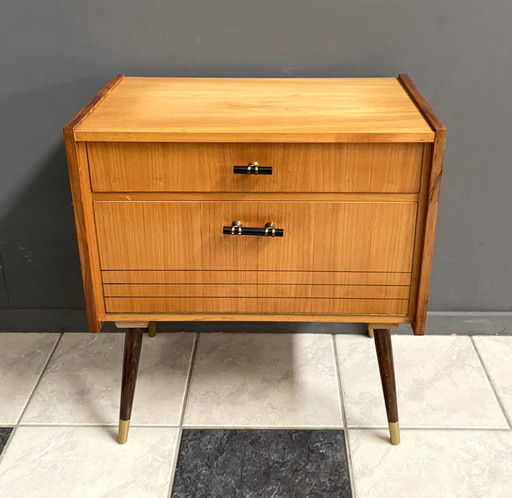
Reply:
x=55 y=55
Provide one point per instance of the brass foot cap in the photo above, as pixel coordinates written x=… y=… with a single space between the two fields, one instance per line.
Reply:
x=122 y=436
x=394 y=432
x=370 y=333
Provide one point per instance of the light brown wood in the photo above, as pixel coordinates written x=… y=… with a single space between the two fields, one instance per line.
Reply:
x=420 y=226
x=254 y=317
x=256 y=110
x=84 y=223
x=254 y=196
x=432 y=201
x=255 y=277
x=255 y=305
x=353 y=179
x=171 y=167
x=373 y=237
x=257 y=290
x=131 y=325
x=388 y=326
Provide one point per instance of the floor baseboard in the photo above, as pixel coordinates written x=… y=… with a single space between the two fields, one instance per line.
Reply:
x=438 y=323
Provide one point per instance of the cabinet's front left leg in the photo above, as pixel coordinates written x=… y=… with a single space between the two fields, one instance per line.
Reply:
x=387 y=376
x=132 y=347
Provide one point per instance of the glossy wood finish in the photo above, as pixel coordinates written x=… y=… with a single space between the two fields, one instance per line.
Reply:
x=256 y=277
x=280 y=305
x=132 y=348
x=202 y=167
x=302 y=110
x=387 y=372
x=363 y=237
x=312 y=131
x=431 y=193
x=254 y=317
x=258 y=290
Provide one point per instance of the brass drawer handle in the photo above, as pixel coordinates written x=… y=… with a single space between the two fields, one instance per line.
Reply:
x=269 y=230
x=253 y=168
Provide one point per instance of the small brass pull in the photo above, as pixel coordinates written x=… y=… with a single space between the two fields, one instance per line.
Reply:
x=269 y=230
x=253 y=168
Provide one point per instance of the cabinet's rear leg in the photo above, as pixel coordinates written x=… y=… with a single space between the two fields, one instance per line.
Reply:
x=370 y=331
x=152 y=329
x=387 y=376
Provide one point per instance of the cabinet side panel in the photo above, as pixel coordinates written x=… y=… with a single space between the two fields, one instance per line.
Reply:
x=432 y=204
x=82 y=208
x=432 y=200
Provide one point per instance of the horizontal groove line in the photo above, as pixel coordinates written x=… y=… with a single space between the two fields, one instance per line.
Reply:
x=255 y=283
x=260 y=297
x=265 y=271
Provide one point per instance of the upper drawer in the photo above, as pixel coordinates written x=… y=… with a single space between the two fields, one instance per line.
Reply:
x=202 y=167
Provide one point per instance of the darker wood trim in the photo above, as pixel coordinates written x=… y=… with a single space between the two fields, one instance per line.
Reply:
x=78 y=201
x=83 y=245
x=434 y=186
x=88 y=108
x=421 y=103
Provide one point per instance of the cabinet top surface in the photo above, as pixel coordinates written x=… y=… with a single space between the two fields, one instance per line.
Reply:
x=255 y=110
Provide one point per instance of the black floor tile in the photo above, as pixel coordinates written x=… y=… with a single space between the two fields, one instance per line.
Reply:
x=262 y=463
x=5 y=432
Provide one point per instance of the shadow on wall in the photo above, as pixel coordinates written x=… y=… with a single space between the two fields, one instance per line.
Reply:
x=37 y=234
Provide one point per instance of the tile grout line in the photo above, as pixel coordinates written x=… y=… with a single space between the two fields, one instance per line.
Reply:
x=36 y=385
x=343 y=416
x=489 y=378
x=29 y=398
x=179 y=433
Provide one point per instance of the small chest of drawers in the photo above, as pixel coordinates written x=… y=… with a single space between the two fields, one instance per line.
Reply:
x=256 y=199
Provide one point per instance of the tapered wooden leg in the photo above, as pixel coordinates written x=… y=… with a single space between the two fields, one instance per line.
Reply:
x=387 y=376
x=132 y=347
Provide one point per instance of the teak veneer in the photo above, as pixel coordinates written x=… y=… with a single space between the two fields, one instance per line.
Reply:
x=347 y=170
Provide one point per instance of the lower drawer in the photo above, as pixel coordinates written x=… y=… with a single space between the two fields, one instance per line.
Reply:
x=259 y=305
x=318 y=236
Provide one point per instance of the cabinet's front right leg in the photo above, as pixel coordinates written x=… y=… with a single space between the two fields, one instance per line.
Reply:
x=132 y=347
x=387 y=376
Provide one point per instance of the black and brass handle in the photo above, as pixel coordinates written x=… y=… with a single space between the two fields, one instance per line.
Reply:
x=269 y=230
x=253 y=168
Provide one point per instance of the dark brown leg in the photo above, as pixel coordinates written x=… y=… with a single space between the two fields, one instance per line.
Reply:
x=132 y=347
x=387 y=376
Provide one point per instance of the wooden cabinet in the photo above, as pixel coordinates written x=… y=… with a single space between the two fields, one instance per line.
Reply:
x=347 y=170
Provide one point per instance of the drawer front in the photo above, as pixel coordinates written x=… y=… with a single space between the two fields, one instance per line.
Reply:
x=282 y=305
x=318 y=236
x=199 y=167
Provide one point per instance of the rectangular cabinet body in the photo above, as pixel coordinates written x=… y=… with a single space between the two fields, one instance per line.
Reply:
x=256 y=199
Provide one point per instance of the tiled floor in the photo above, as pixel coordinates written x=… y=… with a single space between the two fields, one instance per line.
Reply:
x=238 y=415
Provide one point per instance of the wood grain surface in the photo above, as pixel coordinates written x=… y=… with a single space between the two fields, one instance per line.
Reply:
x=343 y=236
x=255 y=277
x=256 y=110
x=180 y=167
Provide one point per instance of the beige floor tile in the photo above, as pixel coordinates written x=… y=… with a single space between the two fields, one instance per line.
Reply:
x=496 y=353
x=432 y=463
x=440 y=383
x=263 y=380
x=82 y=462
x=82 y=382
x=22 y=358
